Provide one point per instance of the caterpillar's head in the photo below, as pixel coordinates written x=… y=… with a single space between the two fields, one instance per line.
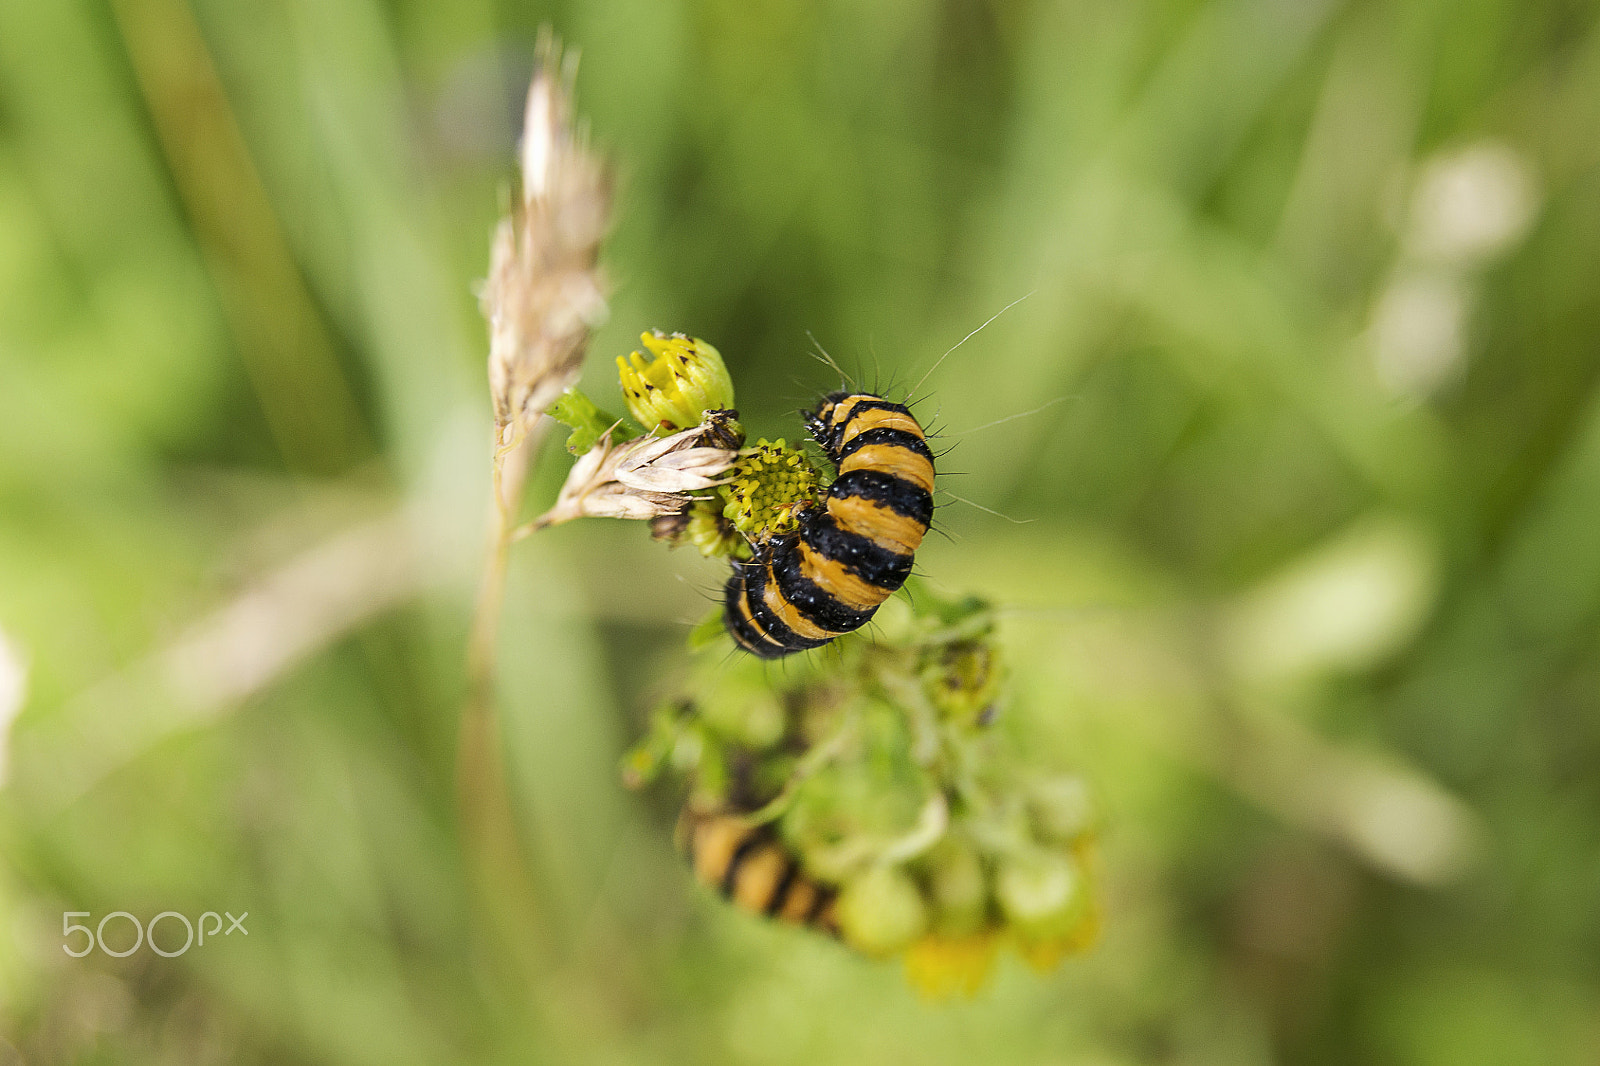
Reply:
x=820 y=422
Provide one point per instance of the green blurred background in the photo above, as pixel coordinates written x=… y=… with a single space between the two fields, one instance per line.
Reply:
x=1307 y=579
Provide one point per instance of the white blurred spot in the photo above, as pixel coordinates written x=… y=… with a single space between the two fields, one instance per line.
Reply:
x=1418 y=333
x=1408 y=825
x=13 y=688
x=1466 y=207
x=1342 y=606
x=1470 y=204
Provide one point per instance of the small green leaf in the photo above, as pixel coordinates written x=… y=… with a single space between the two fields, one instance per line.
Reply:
x=587 y=422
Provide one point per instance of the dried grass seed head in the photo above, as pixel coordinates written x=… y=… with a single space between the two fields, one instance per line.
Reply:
x=545 y=291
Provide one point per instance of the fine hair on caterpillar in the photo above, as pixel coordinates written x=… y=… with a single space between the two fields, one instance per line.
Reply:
x=852 y=552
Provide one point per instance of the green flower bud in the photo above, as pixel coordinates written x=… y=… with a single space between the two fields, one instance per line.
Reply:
x=673 y=388
x=956 y=885
x=964 y=681
x=1059 y=807
x=881 y=912
x=1043 y=894
x=710 y=532
x=747 y=714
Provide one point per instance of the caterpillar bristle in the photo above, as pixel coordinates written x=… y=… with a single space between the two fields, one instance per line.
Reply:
x=852 y=552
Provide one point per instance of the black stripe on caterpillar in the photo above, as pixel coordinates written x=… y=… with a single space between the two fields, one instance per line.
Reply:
x=851 y=553
x=751 y=867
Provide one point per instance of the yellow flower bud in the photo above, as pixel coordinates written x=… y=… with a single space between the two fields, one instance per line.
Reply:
x=941 y=967
x=709 y=531
x=681 y=379
x=964 y=681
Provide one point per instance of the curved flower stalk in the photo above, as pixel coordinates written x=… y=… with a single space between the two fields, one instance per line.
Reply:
x=544 y=294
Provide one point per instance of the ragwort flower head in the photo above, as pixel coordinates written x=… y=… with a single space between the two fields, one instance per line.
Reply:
x=769 y=487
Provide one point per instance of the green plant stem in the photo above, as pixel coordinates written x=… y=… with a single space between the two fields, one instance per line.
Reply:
x=493 y=845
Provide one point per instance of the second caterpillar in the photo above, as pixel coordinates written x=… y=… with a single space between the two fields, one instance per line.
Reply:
x=852 y=552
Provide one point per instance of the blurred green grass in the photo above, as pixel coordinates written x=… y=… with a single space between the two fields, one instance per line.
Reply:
x=1309 y=586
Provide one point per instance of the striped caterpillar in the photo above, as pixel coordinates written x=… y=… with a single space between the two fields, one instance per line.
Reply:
x=751 y=868
x=803 y=590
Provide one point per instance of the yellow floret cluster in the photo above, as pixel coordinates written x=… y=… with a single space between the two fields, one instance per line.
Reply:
x=772 y=483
